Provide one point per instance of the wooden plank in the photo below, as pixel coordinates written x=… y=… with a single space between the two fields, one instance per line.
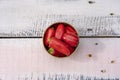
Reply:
x=54 y=76
x=25 y=18
x=86 y=26
x=29 y=55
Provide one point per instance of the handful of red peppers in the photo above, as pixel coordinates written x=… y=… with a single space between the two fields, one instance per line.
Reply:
x=61 y=39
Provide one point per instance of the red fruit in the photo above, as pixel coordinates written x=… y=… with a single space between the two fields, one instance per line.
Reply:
x=70 y=30
x=59 y=46
x=70 y=48
x=50 y=33
x=72 y=40
x=59 y=31
x=55 y=53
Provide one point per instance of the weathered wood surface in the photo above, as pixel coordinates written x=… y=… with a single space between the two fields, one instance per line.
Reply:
x=86 y=26
x=28 y=55
x=21 y=58
x=23 y=18
x=53 y=76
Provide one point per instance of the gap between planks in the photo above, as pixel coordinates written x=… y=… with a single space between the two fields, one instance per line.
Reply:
x=36 y=37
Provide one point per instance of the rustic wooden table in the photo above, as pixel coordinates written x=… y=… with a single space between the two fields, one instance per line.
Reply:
x=94 y=57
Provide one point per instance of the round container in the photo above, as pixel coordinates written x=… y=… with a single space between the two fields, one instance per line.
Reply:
x=54 y=51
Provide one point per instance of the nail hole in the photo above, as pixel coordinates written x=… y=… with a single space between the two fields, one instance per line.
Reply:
x=112 y=61
x=91 y=2
x=103 y=71
x=96 y=43
x=111 y=13
x=89 y=55
x=89 y=29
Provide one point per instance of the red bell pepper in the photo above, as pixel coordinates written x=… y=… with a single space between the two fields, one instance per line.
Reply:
x=72 y=40
x=59 y=46
x=50 y=33
x=53 y=52
x=70 y=48
x=59 y=31
x=70 y=30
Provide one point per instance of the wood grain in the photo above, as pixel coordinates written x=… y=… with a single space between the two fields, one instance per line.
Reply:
x=100 y=26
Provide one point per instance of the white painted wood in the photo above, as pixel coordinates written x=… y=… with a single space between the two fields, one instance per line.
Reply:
x=21 y=57
x=29 y=55
x=23 y=18
x=100 y=26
